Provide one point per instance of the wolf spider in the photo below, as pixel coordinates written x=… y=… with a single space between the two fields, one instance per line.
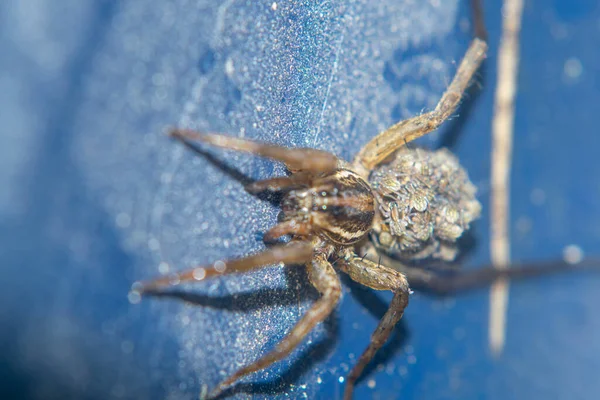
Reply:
x=408 y=204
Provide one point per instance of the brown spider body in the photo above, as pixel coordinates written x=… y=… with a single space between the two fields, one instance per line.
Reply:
x=339 y=206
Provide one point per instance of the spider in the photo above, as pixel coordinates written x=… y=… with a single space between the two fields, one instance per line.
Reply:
x=407 y=204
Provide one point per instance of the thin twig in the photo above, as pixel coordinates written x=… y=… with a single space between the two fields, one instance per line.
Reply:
x=502 y=133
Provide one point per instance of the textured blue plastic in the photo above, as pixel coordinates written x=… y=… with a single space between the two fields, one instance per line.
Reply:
x=95 y=197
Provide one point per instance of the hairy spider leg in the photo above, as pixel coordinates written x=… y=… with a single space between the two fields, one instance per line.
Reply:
x=447 y=283
x=292 y=253
x=288 y=227
x=378 y=277
x=323 y=277
x=296 y=159
x=281 y=183
x=386 y=143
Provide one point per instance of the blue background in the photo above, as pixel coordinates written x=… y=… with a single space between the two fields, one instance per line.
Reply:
x=94 y=197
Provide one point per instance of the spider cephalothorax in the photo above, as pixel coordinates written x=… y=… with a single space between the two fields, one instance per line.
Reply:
x=338 y=206
x=415 y=205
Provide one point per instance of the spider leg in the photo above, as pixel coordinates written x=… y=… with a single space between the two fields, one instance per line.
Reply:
x=292 y=253
x=296 y=159
x=478 y=20
x=280 y=183
x=465 y=280
x=325 y=280
x=396 y=136
x=288 y=227
x=377 y=277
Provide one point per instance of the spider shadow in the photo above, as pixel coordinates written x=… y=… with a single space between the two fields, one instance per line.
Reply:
x=247 y=302
x=305 y=362
x=272 y=197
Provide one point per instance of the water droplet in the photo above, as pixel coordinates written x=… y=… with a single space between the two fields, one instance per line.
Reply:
x=123 y=220
x=220 y=266
x=573 y=69
x=153 y=244
x=127 y=346
x=134 y=297
x=199 y=274
x=174 y=279
x=163 y=268
x=572 y=254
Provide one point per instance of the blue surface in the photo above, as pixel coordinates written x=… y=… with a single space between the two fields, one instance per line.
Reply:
x=96 y=198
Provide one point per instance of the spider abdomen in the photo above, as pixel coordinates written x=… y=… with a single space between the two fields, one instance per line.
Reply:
x=339 y=205
x=426 y=202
